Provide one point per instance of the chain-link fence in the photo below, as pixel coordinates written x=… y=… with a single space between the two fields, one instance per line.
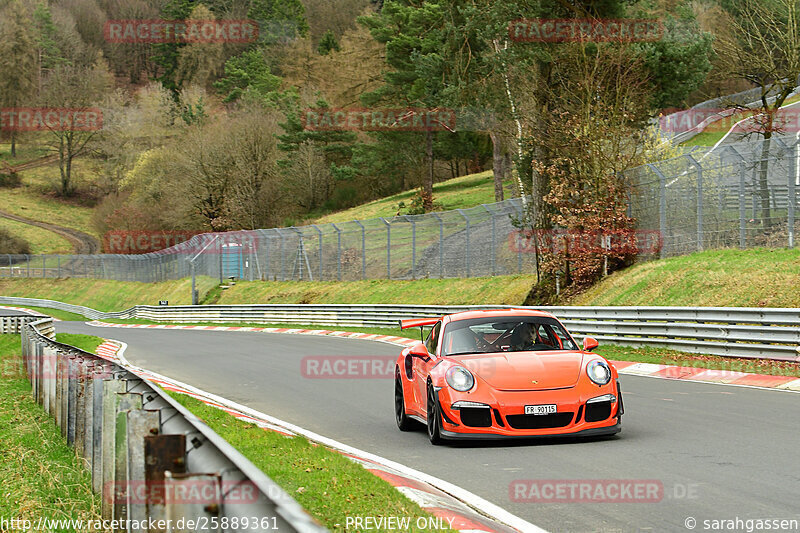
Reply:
x=737 y=195
x=449 y=244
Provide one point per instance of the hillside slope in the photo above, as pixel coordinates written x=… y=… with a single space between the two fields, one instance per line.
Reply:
x=717 y=278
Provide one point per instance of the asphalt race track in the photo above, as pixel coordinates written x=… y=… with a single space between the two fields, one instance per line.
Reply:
x=721 y=452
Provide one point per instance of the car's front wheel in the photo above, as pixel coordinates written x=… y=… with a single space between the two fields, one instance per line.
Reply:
x=404 y=423
x=434 y=417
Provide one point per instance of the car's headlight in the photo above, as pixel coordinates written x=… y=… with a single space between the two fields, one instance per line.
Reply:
x=598 y=372
x=460 y=378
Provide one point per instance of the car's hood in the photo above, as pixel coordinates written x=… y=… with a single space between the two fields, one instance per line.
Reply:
x=525 y=370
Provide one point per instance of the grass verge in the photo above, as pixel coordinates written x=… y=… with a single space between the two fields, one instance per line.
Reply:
x=500 y=290
x=41 y=474
x=758 y=277
x=87 y=343
x=105 y=295
x=327 y=484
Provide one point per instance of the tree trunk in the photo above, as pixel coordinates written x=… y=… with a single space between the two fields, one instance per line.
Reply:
x=427 y=185
x=13 y=144
x=498 y=166
x=763 y=184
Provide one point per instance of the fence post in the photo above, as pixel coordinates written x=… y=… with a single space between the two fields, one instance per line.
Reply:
x=792 y=191
x=363 y=249
x=388 y=248
x=662 y=207
x=413 y=246
x=441 y=244
x=283 y=259
x=338 y=252
x=466 y=219
x=319 y=239
x=494 y=236
x=742 y=199
x=699 y=169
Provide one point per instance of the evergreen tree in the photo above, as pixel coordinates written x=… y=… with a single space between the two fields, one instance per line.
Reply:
x=17 y=60
x=328 y=43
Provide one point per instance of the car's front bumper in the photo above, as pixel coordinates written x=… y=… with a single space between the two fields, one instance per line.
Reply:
x=589 y=432
x=506 y=413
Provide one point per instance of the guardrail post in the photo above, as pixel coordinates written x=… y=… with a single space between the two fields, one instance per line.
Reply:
x=50 y=356
x=111 y=389
x=140 y=424
x=61 y=391
x=80 y=406
x=100 y=376
x=163 y=453
x=72 y=396
x=177 y=509
x=126 y=401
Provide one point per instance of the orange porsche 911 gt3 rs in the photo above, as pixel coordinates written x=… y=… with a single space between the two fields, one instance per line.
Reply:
x=504 y=373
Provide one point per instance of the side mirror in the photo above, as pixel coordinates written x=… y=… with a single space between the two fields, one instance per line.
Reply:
x=589 y=344
x=419 y=350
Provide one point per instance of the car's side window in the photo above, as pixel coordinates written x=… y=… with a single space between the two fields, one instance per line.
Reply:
x=433 y=338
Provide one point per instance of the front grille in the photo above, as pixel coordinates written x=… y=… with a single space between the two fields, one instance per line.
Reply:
x=597 y=411
x=477 y=417
x=555 y=420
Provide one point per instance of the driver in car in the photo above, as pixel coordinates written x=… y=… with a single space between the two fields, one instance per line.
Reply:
x=524 y=338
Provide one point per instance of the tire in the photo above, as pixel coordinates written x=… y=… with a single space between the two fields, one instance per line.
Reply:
x=434 y=417
x=404 y=423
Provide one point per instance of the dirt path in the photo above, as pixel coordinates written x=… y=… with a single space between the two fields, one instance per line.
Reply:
x=82 y=243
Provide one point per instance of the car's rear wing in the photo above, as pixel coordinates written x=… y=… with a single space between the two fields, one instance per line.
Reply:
x=418 y=322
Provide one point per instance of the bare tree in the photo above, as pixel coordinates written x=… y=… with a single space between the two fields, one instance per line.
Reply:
x=77 y=88
x=763 y=48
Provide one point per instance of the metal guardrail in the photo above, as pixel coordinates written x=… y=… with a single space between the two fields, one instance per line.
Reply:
x=752 y=332
x=14 y=324
x=150 y=458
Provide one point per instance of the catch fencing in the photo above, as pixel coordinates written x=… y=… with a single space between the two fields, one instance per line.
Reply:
x=735 y=195
x=150 y=457
x=769 y=333
x=449 y=244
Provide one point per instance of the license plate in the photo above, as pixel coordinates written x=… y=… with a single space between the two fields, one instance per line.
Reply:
x=540 y=409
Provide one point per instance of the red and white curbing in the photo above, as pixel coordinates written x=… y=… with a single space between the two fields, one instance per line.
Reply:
x=25 y=310
x=722 y=377
x=459 y=509
x=705 y=375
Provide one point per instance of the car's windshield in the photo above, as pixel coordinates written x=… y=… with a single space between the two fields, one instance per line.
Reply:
x=505 y=334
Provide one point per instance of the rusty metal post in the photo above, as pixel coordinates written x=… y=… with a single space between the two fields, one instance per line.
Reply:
x=140 y=424
x=163 y=453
